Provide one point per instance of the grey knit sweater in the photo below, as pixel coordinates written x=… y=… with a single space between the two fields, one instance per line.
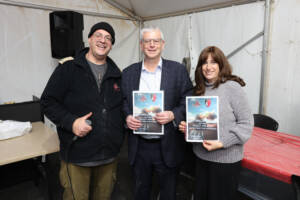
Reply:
x=235 y=123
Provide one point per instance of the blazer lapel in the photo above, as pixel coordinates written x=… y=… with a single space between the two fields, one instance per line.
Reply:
x=136 y=76
x=164 y=75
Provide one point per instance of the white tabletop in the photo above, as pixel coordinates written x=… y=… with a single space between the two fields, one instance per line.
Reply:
x=40 y=141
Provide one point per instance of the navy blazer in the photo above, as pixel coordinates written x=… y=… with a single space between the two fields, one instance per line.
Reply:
x=176 y=84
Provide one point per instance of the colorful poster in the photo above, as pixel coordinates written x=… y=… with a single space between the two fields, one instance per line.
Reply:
x=202 y=118
x=145 y=106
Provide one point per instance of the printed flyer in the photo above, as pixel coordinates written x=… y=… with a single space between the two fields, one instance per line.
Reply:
x=202 y=118
x=145 y=106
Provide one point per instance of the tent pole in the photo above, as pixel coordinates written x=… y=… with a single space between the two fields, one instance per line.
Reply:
x=201 y=9
x=141 y=25
x=258 y=35
x=51 y=8
x=265 y=51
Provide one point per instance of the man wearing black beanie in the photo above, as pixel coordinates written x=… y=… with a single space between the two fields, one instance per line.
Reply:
x=83 y=98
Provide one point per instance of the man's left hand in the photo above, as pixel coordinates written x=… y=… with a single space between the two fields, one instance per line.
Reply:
x=164 y=117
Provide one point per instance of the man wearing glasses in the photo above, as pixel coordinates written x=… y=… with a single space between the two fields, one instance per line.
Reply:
x=148 y=153
x=83 y=99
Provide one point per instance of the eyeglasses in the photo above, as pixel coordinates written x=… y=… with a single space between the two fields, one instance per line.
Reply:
x=155 y=41
x=107 y=38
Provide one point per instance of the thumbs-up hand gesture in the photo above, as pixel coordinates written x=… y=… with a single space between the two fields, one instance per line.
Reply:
x=80 y=127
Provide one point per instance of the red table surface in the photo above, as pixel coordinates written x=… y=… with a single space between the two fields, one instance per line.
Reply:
x=273 y=154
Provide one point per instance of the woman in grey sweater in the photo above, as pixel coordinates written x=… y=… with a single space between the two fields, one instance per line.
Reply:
x=218 y=163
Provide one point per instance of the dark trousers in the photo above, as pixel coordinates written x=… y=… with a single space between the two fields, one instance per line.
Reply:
x=149 y=160
x=216 y=181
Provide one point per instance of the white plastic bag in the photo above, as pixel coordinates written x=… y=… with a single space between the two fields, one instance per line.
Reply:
x=10 y=129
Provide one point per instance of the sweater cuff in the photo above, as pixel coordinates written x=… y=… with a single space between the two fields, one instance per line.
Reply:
x=229 y=140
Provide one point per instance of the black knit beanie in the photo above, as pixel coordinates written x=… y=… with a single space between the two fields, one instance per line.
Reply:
x=105 y=26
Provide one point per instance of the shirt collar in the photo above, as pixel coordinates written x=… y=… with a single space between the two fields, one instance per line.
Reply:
x=159 y=67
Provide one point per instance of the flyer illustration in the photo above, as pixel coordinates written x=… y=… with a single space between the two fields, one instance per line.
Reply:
x=145 y=106
x=202 y=118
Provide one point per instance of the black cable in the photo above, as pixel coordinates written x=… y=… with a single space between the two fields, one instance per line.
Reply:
x=67 y=158
x=67 y=164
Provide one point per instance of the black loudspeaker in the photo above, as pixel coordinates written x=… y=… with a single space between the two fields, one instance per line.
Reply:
x=66 y=33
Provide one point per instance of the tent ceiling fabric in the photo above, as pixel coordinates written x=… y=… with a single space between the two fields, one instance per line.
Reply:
x=148 y=10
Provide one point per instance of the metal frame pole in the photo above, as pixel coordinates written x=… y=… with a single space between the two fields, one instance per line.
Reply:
x=51 y=8
x=265 y=52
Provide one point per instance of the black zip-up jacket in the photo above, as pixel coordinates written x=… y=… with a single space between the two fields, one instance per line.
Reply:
x=72 y=92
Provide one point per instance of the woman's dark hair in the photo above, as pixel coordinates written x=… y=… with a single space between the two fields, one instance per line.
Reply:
x=225 y=71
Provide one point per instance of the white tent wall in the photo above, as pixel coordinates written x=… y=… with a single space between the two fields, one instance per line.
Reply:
x=282 y=85
x=227 y=28
x=175 y=31
x=25 y=51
